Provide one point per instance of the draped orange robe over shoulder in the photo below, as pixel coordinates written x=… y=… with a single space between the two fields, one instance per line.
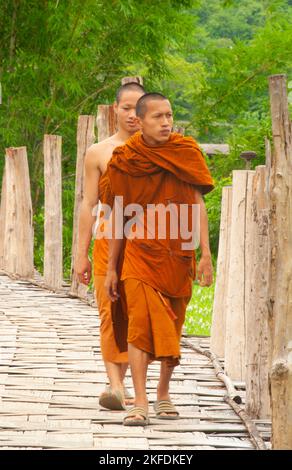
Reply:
x=157 y=273
x=114 y=321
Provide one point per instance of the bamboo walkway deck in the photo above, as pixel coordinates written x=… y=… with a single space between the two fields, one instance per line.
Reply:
x=51 y=374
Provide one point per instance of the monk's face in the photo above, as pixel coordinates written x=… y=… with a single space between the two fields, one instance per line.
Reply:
x=126 y=111
x=157 y=122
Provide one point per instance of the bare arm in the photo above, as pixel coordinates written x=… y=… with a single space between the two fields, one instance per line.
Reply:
x=86 y=218
x=205 y=269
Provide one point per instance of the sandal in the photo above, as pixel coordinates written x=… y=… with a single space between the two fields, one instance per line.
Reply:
x=165 y=406
x=136 y=411
x=112 y=400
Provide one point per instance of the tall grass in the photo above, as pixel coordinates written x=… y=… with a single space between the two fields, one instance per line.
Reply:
x=199 y=311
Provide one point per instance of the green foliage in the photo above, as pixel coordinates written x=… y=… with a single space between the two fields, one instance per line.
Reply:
x=199 y=311
x=68 y=203
x=38 y=223
x=60 y=59
x=213 y=204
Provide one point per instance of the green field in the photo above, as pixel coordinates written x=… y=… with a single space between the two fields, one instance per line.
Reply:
x=199 y=311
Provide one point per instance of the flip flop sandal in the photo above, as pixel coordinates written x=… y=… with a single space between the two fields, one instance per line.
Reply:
x=165 y=406
x=136 y=410
x=112 y=400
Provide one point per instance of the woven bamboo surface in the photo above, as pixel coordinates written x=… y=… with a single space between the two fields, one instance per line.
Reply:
x=52 y=373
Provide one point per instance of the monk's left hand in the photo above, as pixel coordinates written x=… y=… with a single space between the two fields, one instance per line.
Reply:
x=205 y=271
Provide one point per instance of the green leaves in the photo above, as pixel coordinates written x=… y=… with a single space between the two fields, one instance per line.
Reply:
x=60 y=59
x=212 y=58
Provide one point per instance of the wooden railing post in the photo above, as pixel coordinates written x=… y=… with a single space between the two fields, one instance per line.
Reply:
x=257 y=333
x=106 y=121
x=53 y=239
x=217 y=342
x=235 y=339
x=136 y=79
x=85 y=138
x=17 y=209
x=280 y=276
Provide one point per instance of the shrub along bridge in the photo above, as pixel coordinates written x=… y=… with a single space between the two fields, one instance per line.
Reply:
x=229 y=388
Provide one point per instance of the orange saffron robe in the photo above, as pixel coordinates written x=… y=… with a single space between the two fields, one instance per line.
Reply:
x=113 y=318
x=158 y=273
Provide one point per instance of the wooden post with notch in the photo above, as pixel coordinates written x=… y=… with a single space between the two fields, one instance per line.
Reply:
x=257 y=331
x=136 y=79
x=280 y=275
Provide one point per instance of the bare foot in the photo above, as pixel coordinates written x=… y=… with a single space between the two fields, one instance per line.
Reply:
x=129 y=401
x=139 y=417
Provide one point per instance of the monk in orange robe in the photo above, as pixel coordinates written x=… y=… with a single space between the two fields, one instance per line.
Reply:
x=113 y=346
x=154 y=169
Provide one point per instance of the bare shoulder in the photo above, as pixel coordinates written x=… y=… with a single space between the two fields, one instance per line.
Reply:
x=100 y=153
x=97 y=149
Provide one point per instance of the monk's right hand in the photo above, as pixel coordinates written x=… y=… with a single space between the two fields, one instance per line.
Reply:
x=82 y=267
x=111 y=285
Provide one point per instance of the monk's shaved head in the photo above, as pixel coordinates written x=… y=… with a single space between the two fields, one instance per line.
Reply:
x=131 y=86
x=141 y=106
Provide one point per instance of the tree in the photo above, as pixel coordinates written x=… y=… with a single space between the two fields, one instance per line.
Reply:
x=58 y=59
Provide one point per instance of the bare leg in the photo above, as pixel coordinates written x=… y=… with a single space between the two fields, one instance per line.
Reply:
x=123 y=370
x=163 y=385
x=138 y=361
x=115 y=375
